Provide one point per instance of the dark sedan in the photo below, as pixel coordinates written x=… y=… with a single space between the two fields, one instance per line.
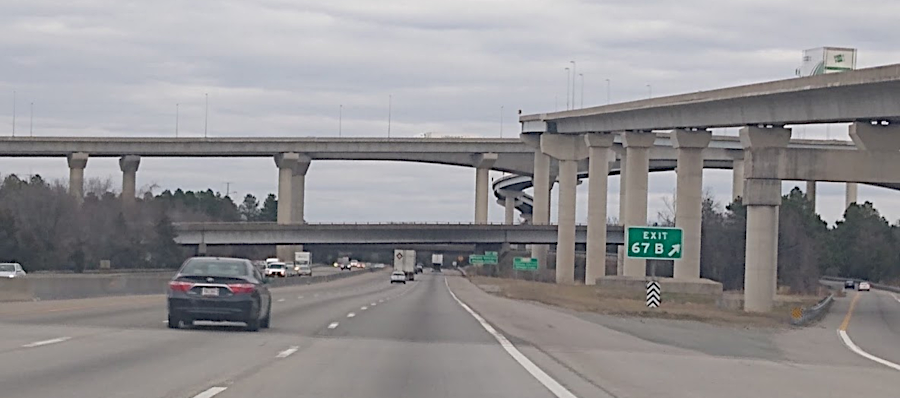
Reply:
x=219 y=289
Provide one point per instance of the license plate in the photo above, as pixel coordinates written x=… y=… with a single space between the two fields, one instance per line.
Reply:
x=209 y=291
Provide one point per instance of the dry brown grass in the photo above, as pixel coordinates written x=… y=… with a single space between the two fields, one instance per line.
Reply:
x=632 y=303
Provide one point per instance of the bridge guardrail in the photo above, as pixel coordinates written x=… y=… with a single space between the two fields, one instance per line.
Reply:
x=814 y=313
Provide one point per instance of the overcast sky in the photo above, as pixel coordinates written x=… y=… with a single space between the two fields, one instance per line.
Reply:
x=283 y=68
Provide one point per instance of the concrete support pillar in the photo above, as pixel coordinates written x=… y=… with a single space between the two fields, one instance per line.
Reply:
x=689 y=198
x=637 y=149
x=77 y=163
x=623 y=162
x=568 y=149
x=129 y=166
x=598 y=174
x=811 y=193
x=850 y=196
x=763 y=196
x=298 y=189
x=565 y=241
x=287 y=163
x=540 y=214
x=483 y=163
x=737 y=179
x=509 y=207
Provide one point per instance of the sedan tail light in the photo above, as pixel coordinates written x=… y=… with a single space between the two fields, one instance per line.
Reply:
x=242 y=288
x=179 y=286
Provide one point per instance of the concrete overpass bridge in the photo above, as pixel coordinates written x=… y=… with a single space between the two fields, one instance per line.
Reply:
x=867 y=99
x=397 y=234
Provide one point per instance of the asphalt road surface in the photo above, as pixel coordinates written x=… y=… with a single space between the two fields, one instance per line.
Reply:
x=362 y=337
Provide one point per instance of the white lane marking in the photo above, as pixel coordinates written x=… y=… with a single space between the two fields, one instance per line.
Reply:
x=895 y=297
x=541 y=376
x=363 y=308
x=853 y=347
x=280 y=300
x=213 y=391
x=299 y=297
x=351 y=315
x=373 y=304
x=333 y=325
x=381 y=301
x=286 y=353
x=46 y=342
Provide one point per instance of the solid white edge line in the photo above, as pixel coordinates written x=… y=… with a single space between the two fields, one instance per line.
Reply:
x=213 y=391
x=45 y=342
x=853 y=347
x=541 y=376
x=286 y=353
x=351 y=315
x=895 y=297
x=333 y=325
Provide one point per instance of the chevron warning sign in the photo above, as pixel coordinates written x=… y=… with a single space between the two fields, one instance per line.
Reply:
x=653 y=294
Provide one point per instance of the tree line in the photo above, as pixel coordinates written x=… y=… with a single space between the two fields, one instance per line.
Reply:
x=863 y=245
x=43 y=227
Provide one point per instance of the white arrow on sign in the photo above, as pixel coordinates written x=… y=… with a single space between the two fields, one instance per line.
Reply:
x=675 y=249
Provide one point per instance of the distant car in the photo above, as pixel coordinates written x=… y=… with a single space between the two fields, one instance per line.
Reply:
x=304 y=270
x=219 y=289
x=378 y=266
x=11 y=270
x=347 y=267
x=275 y=269
x=849 y=284
x=864 y=286
x=419 y=268
x=398 y=277
x=291 y=269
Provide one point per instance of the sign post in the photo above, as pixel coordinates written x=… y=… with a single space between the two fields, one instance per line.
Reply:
x=659 y=243
x=653 y=294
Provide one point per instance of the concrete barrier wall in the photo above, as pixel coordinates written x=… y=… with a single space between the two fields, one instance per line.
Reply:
x=16 y=289
x=74 y=286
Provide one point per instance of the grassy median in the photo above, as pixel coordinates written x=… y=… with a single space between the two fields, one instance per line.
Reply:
x=632 y=302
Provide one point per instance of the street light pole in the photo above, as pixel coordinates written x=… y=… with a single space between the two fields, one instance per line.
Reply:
x=607 y=92
x=567 y=88
x=574 y=70
x=206 y=115
x=649 y=91
x=582 y=89
x=14 y=115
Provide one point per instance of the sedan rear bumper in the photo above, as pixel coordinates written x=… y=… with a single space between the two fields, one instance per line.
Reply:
x=200 y=309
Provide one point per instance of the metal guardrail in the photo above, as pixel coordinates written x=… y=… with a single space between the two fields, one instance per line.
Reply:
x=814 y=313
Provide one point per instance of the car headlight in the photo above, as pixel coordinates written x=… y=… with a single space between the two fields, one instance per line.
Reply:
x=12 y=276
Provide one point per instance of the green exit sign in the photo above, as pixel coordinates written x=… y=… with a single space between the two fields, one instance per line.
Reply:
x=654 y=242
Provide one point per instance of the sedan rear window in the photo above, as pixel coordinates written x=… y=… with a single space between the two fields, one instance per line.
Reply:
x=215 y=268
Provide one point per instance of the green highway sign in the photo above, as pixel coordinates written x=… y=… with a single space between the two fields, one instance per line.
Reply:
x=478 y=259
x=525 y=263
x=654 y=242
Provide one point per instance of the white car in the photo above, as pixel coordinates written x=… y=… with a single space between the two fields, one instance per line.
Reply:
x=275 y=269
x=11 y=270
x=304 y=270
x=864 y=286
x=398 y=277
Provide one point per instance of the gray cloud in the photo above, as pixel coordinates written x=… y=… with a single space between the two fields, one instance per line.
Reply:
x=284 y=68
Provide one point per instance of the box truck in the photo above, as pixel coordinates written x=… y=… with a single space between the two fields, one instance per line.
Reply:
x=437 y=260
x=405 y=260
x=822 y=60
